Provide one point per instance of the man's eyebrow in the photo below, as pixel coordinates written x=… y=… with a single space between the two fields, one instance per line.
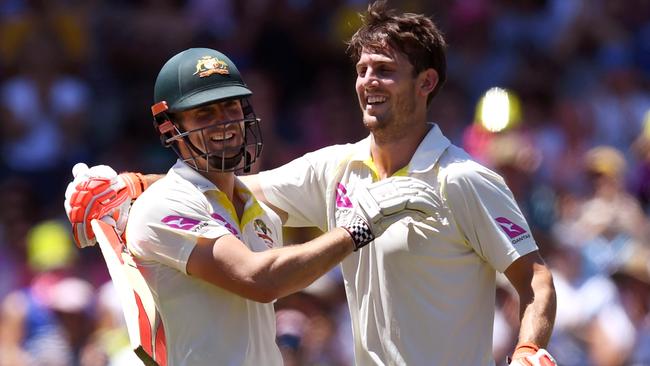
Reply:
x=205 y=108
x=376 y=62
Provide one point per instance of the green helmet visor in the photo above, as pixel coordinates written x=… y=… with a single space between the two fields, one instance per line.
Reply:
x=211 y=95
x=221 y=147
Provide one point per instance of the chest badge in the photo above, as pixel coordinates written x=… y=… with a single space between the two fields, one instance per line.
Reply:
x=264 y=232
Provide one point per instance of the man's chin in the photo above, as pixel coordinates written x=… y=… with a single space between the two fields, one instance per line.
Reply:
x=371 y=122
x=227 y=163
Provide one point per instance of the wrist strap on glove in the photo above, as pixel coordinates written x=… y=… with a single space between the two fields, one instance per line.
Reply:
x=135 y=183
x=527 y=348
x=360 y=232
x=530 y=354
x=523 y=349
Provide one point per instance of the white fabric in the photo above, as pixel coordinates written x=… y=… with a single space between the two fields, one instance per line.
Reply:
x=204 y=324
x=424 y=292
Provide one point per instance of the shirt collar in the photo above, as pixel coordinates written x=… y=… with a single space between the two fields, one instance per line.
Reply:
x=430 y=150
x=252 y=208
x=189 y=174
x=425 y=157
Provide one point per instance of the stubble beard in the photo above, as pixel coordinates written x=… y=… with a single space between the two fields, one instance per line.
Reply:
x=216 y=156
x=394 y=123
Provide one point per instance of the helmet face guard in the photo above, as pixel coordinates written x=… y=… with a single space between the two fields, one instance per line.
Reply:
x=225 y=146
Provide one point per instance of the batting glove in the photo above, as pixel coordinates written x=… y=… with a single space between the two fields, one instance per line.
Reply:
x=379 y=205
x=99 y=193
x=529 y=354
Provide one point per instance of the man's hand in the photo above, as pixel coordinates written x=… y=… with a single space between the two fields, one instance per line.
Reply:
x=99 y=193
x=529 y=354
x=380 y=204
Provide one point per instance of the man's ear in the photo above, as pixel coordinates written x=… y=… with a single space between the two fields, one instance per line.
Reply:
x=427 y=81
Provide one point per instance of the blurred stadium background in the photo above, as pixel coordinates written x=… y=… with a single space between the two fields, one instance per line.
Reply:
x=568 y=128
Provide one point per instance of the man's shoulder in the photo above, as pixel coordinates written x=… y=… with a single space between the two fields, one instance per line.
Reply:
x=166 y=192
x=323 y=161
x=458 y=167
x=334 y=153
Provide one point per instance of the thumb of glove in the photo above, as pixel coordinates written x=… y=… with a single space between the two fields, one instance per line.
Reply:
x=78 y=169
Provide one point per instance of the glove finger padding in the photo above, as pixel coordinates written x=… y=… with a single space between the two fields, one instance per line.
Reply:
x=80 y=174
x=95 y=193
x=380 y=204
x=95 y=199
x=393 y=195
x=100 y=193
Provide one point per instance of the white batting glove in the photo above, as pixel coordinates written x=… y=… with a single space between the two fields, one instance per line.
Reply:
x=99 y=193
x=529 y=354
x=381 y=204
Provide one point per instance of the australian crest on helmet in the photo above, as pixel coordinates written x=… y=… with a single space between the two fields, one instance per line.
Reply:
x=208 y=65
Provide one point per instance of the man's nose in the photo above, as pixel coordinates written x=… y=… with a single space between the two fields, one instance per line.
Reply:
x=371 y=80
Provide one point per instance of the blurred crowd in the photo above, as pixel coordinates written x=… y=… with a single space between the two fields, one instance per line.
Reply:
x=76 y=84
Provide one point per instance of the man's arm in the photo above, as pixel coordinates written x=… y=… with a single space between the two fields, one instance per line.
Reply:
x=267 y=275
x=534 y=283
x=150 y=179
x=264 y=276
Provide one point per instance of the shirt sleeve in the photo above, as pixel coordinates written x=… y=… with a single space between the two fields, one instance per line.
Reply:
x=299 y=189
x=488 y=216
x=166 y=231
x=276 y=225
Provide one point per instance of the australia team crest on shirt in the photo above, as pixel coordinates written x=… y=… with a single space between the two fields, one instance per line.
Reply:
x=263 y=232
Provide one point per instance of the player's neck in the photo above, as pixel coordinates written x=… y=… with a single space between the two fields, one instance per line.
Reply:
x=392 y=154
x=224 y=181
x=226 y=184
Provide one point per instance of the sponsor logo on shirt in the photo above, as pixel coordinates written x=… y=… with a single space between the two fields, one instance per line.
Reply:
x=186 y=223
x=263 y=231
x=514 y=231
x=225 y=223
x=180 y=222
x=342 y=199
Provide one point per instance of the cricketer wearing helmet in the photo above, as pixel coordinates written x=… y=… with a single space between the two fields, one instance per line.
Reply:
x=231 y=145
x=208 y=250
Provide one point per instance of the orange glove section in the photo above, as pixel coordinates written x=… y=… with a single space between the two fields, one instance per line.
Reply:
x=94 y=199
x=135 y=183
x=529 y=354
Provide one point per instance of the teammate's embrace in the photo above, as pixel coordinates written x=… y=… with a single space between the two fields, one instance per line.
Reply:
x=209 y=251
x=424 y=293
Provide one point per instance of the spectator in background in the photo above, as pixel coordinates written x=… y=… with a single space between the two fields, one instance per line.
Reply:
x=610 y=218
x=641 y=171
x=44 y=112
x=620 y=102
x=632 y=278
x=590 y=323
x=32 y=330
x=593 y=242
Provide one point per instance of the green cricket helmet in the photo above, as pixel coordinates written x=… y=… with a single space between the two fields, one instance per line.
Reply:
x=198 y=77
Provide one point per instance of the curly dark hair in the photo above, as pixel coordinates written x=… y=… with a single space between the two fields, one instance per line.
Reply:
x=415 y=35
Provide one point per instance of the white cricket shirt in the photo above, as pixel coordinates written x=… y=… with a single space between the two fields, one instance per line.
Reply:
x=424 y=292
x=204 y=324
